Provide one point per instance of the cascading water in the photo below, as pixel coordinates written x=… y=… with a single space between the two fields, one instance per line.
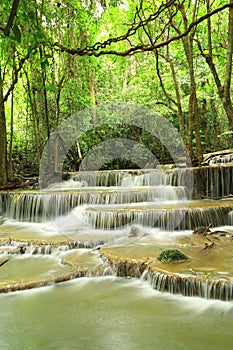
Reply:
x=38 y=207
x=165 y=219
x=60 y=199
x=220 y=158
x=95 y=209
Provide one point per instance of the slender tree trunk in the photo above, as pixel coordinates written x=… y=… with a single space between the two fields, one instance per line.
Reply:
x=92 y=96
x=178 y=100
x=43 y=77
x=216 y=125
x=228 y=76
x=34 y=110
x=43 y=69
x=10 y=165
x=3 y=138
x=190 y=127
x=59 y=88
x=224 y=90
x=193 y=103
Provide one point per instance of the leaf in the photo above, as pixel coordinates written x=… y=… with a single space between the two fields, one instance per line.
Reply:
x=17 y=33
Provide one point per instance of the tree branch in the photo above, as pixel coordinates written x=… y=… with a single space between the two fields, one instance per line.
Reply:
x=15 y=80
x=209 y=60
x=161 y=80
x=166 y=105
x=94 y=50
x=7 y=28
x=88 y=50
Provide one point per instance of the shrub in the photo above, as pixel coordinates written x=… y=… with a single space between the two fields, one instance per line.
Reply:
x=171 y=255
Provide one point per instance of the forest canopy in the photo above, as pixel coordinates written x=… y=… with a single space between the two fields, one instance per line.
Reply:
x=62 y=57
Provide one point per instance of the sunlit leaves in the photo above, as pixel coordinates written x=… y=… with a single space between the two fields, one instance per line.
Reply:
x=134 y=79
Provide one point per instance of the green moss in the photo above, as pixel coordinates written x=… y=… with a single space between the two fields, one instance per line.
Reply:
x=171 y=255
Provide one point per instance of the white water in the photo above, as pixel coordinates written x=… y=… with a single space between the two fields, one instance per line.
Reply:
x=106 y=210
x=122 y=220
x=100 y=313
x=222 y=159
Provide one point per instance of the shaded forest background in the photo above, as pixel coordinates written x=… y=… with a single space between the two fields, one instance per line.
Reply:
x=60 y=57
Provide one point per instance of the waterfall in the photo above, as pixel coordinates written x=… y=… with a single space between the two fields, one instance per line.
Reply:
x=221 y=158
x=99 y=178
x=33 y=207
x=189 y=286
x=209 y=182
x=230 y=218
x=40 y=207
x=98 y=204
x=174 y=283
x=138 y=186
x=126 y=178
x=166 y=219
x=133 y=186
x=42 y=248
x=219 y=181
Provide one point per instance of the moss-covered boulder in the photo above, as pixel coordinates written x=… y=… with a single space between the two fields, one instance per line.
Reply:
x=171 y=255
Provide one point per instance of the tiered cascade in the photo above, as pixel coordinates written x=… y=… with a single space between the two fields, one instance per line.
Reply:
x=114 y=199
x=93 y=204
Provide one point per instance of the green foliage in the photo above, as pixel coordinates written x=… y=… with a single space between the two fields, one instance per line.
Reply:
x=73 y=83
x=131 y=145
x=17 y=33
x=171 y=255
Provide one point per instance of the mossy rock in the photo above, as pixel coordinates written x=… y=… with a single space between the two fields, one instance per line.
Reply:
x=171 y=255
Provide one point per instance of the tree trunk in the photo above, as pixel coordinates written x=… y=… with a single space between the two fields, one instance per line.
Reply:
x=3 y=139
x=193 y=115
x=193 y=103
x=59 y=88
x=190 y=127
x=43 y=78
x=216 y=125
x=10 y=165
x=92 y=96
x=228 y=75
x=224 y=90
x=32 y=94
x=178 y=100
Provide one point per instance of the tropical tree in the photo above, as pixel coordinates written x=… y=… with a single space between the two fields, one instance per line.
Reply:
x=61 y=57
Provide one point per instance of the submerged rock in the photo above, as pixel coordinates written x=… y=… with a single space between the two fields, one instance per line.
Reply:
x=134 y=231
